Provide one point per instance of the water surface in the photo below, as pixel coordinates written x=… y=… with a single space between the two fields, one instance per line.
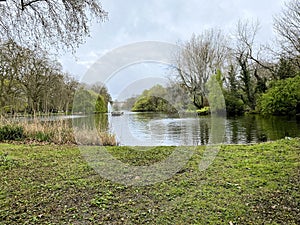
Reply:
x=152 y=129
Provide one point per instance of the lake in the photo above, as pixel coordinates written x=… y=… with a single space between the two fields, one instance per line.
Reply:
x=154 y=129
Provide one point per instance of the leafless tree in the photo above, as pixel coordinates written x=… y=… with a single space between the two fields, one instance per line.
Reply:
x=200 y=58
x=48 y=23
x=287 y=25
x=31 y=80
x=10 y=88
x=253 y=71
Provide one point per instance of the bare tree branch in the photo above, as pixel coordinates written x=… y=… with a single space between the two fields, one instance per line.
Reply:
x=287 y=25
x=59 y=24
x=199 y=59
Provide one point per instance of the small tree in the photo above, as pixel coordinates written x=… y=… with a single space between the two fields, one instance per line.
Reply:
x=215 y=95
x=101 y=105
x=84 y=101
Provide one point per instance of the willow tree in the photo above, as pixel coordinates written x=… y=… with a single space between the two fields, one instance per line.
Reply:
x=48 y=23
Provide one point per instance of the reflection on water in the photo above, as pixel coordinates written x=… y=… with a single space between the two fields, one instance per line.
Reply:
x=149 y=129
x=158 y=129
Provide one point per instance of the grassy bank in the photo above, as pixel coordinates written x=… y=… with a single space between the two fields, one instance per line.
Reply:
x=255 y=184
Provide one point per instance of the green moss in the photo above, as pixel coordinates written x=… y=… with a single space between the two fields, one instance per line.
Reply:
x=245 y=184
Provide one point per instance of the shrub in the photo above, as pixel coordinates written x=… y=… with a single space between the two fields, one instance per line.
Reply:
x=11 y=133
x=108 y=139
x=282 y=98
x=234 y=105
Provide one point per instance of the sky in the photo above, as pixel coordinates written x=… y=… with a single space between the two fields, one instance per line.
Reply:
x=169 y=21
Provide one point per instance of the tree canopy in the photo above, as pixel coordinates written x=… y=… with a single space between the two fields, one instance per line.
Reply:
x=44 y=23
x=153 y=100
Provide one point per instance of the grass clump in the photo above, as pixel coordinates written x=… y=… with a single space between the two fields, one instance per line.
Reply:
x=107 y=139
x=7 y=162
x=41 y=136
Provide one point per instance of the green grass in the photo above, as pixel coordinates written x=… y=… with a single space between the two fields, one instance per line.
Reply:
x=51 y=184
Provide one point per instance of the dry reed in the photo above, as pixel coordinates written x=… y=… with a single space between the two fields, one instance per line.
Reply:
x=59 y=132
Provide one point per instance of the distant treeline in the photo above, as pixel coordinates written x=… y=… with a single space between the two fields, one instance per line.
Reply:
x=31 y=82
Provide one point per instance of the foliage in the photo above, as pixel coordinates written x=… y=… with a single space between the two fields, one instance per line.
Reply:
x=204 y=111
x=215 y=94
x=153 y=100
x=285 y=69
x=173 y=95
x=234 y=105
x=11 y=133
x=31 y=82
x=45 y=24
x=252 y=69
x=282 y=98
x=179 y=97
x=84 y=101
x=152 y=104
x=101 y=105
x=129 y=103
x=89 y=99
x=42 y=136
x=232 y=93
x=254 y=184
x=101 y=89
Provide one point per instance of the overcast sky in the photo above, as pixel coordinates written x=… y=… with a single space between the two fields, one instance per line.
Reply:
x=169 y=21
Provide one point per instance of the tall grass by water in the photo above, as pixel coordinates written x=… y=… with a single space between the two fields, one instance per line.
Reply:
x=59 y=131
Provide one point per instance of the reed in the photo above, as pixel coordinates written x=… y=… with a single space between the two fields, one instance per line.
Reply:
x=58 y=132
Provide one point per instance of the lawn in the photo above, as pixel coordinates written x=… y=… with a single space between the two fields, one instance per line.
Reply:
x=245 y=184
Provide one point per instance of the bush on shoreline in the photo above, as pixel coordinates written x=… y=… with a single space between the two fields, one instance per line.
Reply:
x=11 y=133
